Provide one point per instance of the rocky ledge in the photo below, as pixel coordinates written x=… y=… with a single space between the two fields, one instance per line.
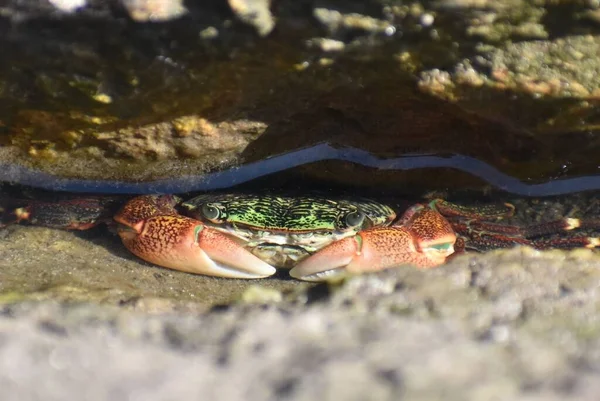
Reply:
x=518 y=325
x=139 y=90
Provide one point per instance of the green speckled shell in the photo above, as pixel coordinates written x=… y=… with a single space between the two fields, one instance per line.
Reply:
x=290 y=213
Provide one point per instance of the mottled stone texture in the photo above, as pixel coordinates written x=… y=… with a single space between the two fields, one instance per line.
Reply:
x=144 y=89
x=518 y=325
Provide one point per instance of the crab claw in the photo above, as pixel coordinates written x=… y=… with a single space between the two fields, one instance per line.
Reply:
x=424 y=240
x=185 y=244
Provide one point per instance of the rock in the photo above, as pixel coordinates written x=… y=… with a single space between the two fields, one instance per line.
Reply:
x=515 y=324
x=145 y=90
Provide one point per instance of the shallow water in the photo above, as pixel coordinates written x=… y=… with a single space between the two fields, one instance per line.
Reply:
x=248 y=172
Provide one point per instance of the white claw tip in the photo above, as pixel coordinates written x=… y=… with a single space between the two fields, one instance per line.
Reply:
x=593 y=242
x=572 y=223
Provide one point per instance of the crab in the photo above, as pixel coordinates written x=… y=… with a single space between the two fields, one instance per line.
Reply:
x=250 y=235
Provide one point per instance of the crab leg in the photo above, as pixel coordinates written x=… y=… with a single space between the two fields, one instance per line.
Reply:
x=69 y=214
x=481 y=234
x=152 y=231
x=424 y=239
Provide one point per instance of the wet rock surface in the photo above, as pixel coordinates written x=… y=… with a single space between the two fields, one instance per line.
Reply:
x=518 y=324
x=142 y=90
x=45 y=264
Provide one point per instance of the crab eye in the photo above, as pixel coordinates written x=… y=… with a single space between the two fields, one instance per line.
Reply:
x=354 y=219
x=210 y=212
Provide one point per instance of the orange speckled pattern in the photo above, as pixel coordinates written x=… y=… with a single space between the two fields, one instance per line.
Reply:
x=428 y=225
x=371 y=250
x=387 y=247
x=411 y=242
x=163 y=240
x=185 y=244
x=162 y=233
x=142 y=207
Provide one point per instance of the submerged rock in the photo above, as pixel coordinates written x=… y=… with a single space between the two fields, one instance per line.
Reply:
x=144 y=90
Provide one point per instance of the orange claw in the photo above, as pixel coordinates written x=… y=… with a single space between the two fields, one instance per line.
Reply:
x=184 y=244
x=424 y=239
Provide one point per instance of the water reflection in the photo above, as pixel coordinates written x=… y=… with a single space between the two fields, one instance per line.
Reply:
x=320 y=152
